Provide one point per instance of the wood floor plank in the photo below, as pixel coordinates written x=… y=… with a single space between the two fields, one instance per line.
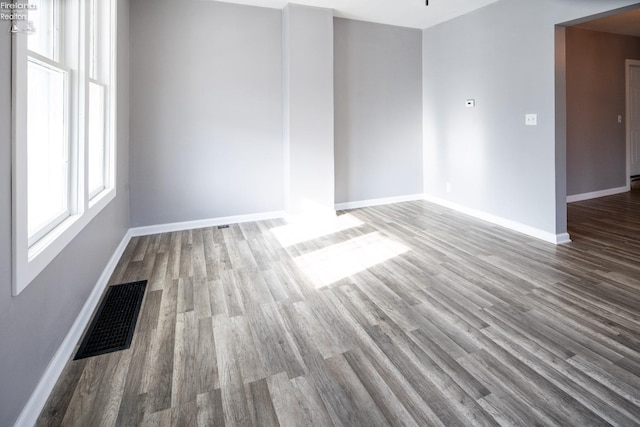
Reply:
x=157 y=419
x=175 y=248
x=367 y=410
x=217 y=298
x=262 y=410
x=185 y=414
x=276 y=347
x=184 y=389
x=388 y=403
x=201 y=298
x=206 y=362
x=159 y=274
x=133 y=397
x=286 y=406
x=209 y=407
x=234 y=400
x=157 y=377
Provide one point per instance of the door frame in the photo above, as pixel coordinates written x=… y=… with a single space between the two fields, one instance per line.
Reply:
x=628 y=63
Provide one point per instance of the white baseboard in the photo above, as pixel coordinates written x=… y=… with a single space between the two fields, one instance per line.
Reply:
x=38 y=399
x=202 y=223
x=596 y=194
x=378 y=202
x=562 y=238
x=503 y=222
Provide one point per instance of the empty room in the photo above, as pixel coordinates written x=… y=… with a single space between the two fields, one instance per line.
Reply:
x=348 y=213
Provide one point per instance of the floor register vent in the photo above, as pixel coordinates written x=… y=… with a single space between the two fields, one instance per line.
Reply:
x=115 y=321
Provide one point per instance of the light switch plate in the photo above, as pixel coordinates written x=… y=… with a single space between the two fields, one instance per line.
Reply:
x=470 y=103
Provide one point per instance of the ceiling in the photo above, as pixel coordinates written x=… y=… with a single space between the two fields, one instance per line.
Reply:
x=627 y=23
x=404 y=13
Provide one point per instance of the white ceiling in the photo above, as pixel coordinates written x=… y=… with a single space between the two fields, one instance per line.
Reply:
x=404 y=13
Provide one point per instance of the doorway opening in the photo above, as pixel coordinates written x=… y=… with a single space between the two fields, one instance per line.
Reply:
x=593 y=119
x=632 y=71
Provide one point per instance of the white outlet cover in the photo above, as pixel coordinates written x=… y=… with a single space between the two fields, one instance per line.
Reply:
x=531 y=119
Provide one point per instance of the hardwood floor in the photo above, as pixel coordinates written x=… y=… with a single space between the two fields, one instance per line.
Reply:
x=405 y=314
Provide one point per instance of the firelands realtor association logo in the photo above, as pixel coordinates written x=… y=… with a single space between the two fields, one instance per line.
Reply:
x=18 y=14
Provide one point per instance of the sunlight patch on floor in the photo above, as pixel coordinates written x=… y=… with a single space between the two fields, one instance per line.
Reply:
x=292 y=234
x=328 y=265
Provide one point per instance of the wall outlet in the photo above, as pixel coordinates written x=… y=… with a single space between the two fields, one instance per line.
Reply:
x=619 y=118
x=448 y=187
x=531 y=119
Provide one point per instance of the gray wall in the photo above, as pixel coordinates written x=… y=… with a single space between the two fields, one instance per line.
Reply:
x=206 y=110
x=307 y=42
x=596 y=142
x=35 y=322
x=503 y=56
x=378 y=110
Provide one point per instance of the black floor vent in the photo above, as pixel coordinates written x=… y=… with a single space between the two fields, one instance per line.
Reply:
x=113 y=325
x=220 y=227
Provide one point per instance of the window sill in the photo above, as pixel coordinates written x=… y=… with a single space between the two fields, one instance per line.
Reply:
x=30 y=263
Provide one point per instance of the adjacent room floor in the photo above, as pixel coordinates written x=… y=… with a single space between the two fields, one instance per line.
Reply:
x=406 y=314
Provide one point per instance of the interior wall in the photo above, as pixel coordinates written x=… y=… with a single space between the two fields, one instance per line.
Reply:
x=35 y=323
x=378 y=110
x=307 y=43
x=206 y=133
x=596 y=142
x=503 y=56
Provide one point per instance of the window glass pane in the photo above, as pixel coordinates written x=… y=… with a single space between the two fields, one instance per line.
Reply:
x=96 y=138
x=43 y=38
x=47 y=148
x=93 y=39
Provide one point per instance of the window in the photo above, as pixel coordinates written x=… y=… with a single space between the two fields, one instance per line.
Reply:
x=64 y=85
x=98 y=162
x=48 y=179
x=48 y=158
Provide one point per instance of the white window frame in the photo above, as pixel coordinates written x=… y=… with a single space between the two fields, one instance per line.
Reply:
x=29 y=259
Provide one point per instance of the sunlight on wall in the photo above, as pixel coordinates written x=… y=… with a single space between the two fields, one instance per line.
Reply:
x=328 y=265
x=292 y=234
x=468 y=154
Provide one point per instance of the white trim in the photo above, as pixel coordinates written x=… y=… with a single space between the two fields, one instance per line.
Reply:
x=503 y=222
x=627 y=71
x=378 y=202
x=19 y=231
x=29 y=260
x=596 y=194
x=38 y=399
x=202 y=223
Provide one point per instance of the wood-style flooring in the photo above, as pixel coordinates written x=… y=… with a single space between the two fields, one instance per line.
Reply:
x=406 y=314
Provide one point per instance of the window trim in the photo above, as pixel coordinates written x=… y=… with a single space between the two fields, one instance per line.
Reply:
x=28 y=261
